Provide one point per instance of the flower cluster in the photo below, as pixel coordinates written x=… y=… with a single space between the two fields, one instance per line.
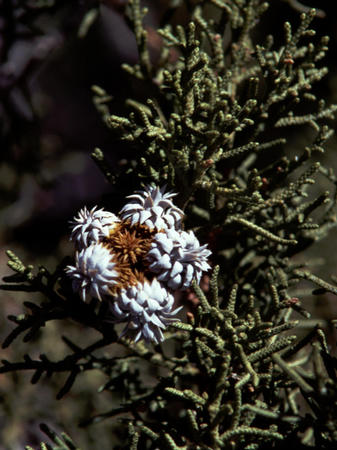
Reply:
x=137 y=260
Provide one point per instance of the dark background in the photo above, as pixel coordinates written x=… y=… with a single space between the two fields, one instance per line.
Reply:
x=48 y=128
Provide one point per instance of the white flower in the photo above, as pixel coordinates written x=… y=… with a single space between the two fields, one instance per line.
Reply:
x=137 y=260
x=147 y=307
x=94 y=273
x=91 y=226
x=153 y=208
x=178 y=258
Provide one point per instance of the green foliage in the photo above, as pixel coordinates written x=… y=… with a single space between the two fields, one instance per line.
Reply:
x=61 y=443
x=209 y=102
x=214 y=127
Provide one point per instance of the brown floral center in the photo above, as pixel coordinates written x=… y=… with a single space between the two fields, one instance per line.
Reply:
x=129 y=244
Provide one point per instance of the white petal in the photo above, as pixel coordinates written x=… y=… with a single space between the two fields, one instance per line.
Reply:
x=174 y=283
x=176 y=269
x=153 y=305
x=117 y=310
x=163 y=263
x=154 y=319
x=148 y=333
x=138 y=336
x=189 y=272
x=136 y=308
x=143 y=216
x=165 y=243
